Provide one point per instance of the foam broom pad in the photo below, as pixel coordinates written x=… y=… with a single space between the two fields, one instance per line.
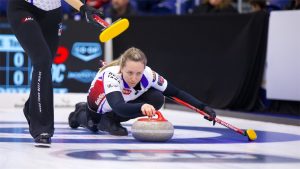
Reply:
x=251 y=134
x=114 y=30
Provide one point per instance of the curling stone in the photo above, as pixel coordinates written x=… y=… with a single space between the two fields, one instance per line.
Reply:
x=152 y=129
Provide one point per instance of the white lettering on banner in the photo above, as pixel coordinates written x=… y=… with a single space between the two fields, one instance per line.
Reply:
x=86 y=51
x=9 y=43
x=58 y=72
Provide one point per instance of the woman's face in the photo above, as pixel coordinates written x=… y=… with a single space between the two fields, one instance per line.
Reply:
x=132 y=72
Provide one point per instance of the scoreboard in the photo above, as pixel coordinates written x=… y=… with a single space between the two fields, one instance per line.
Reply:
x=74 y=66
x=15 y=66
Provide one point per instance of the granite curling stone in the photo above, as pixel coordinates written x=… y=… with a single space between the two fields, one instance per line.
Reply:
x=152 y=129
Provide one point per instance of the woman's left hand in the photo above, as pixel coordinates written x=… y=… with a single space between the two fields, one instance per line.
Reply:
x=211 y=113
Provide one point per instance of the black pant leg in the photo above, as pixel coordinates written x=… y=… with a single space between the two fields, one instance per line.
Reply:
x=31 y=37
x=50 y=25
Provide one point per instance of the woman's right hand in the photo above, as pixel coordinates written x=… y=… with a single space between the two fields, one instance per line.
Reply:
x=148 y=110
x=89 y=13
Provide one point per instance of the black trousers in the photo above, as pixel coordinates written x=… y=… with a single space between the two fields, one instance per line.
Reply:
x=37 y=32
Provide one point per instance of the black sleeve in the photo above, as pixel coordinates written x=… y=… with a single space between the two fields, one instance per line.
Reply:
x=173 y=91
x=123 y=109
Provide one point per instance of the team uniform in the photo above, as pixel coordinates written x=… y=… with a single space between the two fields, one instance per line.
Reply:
x=111 y=100
x=110 y=80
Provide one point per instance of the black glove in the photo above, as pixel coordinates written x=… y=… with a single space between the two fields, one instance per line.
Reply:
x=211 y=113
x=88 y=13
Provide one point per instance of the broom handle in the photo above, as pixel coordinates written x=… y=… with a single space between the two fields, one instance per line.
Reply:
x=240 y=131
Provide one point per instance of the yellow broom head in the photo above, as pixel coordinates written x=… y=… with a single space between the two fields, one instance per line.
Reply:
x=251 y=134
x=114 y=30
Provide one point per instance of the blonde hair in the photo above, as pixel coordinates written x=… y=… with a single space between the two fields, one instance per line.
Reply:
x=133 y=54
x=223 y=4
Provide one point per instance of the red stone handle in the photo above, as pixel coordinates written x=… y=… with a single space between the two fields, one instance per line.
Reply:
x=160 y=118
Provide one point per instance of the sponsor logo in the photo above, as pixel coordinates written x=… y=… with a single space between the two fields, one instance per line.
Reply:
x=113 y=76
x=160 y=81
x=26 y=19
x=154 y=76
x=112 y=85
x=126 y=91
x=186 y=156
x=84 y=76
x=86 y=51
x=99 y=99
x=58 y=72
x=62 y=55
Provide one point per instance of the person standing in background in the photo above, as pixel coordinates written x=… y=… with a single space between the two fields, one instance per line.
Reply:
x=258 y=5
x=37 y=26
x=295 y=5
x=120 y=8
x=215 y=6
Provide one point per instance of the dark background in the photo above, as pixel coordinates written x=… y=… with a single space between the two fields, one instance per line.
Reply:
x=217 y=58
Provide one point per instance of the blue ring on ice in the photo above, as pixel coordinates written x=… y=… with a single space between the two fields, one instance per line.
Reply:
x=224 y=136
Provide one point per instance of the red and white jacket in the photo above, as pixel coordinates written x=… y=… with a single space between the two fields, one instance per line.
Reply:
x=110 y=80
